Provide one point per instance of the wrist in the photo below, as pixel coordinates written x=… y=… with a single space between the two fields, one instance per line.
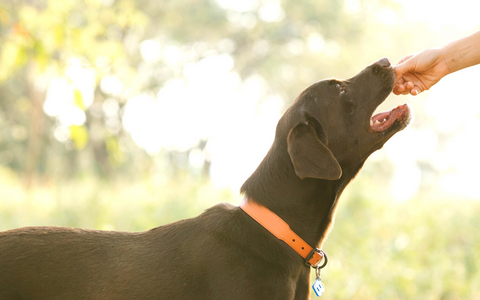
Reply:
x=448 y=57
x=461 y=53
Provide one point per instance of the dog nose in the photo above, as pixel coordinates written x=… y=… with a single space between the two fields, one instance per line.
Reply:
x=384 y=62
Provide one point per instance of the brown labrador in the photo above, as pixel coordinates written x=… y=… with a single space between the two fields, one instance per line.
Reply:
x=321 y=142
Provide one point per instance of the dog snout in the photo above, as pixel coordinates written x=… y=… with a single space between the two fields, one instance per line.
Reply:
x=384 y=62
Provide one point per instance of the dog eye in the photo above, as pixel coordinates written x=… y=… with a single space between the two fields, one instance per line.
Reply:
x=340 y=88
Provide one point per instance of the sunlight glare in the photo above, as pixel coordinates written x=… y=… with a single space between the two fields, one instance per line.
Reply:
x=150 y=50
x=68 y=96
x=209 y=103
x=387 y=16
x=239 y=6
x=438 y=14
x=271 y=12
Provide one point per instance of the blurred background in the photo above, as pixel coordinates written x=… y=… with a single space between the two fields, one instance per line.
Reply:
x=126 y=115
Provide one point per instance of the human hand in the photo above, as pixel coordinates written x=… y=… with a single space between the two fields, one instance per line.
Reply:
x=418 y=72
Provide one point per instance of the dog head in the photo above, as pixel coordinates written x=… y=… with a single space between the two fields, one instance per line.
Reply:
x=330 y=128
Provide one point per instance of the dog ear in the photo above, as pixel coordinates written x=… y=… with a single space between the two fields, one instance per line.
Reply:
x=310 y=157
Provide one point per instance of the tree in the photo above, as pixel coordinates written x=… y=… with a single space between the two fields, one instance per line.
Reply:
x=69 y=68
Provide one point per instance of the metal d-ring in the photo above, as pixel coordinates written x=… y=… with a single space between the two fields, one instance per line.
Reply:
x=325 y=258
x=319 y=267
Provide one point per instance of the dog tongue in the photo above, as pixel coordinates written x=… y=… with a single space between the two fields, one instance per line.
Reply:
x=382 y=121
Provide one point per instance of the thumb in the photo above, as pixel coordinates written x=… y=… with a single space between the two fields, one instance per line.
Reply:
x=405 y=58
x=405 y=65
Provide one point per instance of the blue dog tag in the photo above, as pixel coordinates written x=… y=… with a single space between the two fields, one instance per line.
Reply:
x=318 y=287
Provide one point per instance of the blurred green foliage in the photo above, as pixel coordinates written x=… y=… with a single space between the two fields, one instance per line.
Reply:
x=378 y=249
x=94 y=177
x=40 y=40
x=94 y=203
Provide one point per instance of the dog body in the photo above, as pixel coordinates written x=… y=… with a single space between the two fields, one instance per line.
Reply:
x=207 y=257
x=321 y=142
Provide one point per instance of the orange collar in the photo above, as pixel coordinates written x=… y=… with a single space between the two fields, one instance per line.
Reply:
x=281 y=230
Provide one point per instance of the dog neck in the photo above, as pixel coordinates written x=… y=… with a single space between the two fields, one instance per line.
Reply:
x=282 y=231
x=306 y=205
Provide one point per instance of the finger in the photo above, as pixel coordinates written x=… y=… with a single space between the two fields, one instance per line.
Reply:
x=400 y=73
x=408 y=88
x=402 y=68
x=404 y=59
x=398 y=89
x=405 y=65
x=415 y=91
x=399 y=80
x=399 y=84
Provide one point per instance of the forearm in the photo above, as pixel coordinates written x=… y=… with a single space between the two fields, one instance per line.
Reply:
x=462 y=53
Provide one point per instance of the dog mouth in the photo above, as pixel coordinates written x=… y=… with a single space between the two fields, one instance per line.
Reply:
x=400 y=116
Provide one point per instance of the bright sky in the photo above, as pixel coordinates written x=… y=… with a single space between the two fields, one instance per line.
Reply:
x=463 y=14
x=239 y=117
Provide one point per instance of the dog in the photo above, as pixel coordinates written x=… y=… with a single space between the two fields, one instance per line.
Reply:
x=321 y=142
